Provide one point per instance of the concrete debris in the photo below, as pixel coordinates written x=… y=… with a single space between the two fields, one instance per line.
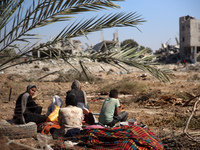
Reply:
x=195 y=67
x=168 y=54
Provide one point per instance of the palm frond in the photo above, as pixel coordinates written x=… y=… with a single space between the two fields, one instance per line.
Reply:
x=123 y=57
x=7 y=8
x=16 y=24
x=45 y=13
x=97 y=23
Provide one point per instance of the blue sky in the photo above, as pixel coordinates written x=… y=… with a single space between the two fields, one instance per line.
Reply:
x=162 y=24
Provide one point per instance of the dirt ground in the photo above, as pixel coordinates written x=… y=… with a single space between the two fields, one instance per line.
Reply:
x=164 y=108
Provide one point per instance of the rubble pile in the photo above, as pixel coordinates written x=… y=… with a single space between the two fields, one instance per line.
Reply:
x=195 y=67
x=168 y=54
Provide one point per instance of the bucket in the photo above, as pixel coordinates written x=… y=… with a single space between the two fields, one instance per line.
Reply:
x=132 y=122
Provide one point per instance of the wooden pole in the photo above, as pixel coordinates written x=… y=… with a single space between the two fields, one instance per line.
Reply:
x=10 y=94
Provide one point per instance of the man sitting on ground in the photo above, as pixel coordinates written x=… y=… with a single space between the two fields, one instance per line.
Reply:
x=111 y=110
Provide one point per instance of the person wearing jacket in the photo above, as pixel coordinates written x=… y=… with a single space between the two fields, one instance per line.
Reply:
x=26 y=110
x=79 y=93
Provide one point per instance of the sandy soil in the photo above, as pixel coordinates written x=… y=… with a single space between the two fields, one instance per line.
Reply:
x=153 y=112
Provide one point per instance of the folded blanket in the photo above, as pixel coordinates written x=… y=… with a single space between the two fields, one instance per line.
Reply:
x=120 y=138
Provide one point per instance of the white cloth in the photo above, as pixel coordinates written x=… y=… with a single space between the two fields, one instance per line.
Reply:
x=69 y=117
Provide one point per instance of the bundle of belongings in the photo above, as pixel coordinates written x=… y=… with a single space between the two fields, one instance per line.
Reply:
x=52 y=119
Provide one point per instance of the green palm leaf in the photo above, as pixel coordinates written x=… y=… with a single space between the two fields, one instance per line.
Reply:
x=47 y=12
x=114 y=58
x=99 y=23
x=44 y=12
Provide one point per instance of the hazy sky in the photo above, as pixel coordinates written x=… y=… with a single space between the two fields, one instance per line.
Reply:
x=162 y=22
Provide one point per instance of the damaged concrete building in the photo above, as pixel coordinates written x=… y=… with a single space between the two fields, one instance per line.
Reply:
x=70 y=47
x=106 y=45
x=188 y=48
x=189 y=31
x=168 y=54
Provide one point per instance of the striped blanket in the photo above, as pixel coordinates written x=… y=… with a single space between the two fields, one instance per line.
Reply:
x=120 y=138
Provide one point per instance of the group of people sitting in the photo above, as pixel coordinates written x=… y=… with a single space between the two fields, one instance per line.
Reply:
x=75 y=115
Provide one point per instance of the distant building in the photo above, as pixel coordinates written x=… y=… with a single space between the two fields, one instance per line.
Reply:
x=189 y=29
x=106 y=45
x=70 y=47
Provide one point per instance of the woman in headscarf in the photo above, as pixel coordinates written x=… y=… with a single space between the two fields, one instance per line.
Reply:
x=88 y=116
x=71 y=118
x=77 y=97
x=80 y=96
x=26 y=110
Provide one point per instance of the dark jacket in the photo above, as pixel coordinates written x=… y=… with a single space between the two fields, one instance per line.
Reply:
x=25 y=106
x=79 y=96
x=76 y=96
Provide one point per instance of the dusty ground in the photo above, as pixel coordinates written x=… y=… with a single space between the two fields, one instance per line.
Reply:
x=158 y=105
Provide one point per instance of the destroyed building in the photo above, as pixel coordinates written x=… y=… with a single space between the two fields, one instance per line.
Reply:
x=65 y=46
x=188 y=48
x=106 y=45
x=189 y=29
x=168 y=54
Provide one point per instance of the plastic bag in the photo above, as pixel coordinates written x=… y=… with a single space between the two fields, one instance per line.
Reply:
x=54 y=115
x=57 y=101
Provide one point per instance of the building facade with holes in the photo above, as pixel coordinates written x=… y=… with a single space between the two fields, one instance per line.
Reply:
x=189 y=30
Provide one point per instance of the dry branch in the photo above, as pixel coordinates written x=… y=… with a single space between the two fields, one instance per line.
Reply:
x=10 y=94
x=189 y=119
x=190 y=100
x=49 y=74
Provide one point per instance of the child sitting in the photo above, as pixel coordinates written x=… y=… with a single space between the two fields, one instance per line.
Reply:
x=111 y=110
